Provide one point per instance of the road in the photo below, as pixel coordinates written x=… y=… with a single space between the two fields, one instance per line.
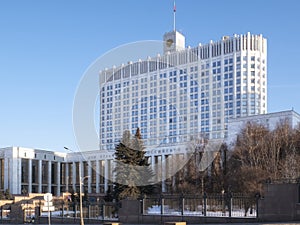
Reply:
x=281 y=223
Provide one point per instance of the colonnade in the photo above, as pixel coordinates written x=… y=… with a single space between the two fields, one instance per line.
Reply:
x=57 y=175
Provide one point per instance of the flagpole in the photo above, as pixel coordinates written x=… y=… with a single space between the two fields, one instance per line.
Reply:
x=174 y=16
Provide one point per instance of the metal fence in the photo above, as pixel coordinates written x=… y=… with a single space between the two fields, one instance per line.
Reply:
x=207 y=205
x=213 y=205
x=90 y=210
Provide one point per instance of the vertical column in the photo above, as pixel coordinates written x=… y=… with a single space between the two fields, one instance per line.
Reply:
x=81 y=180
x=89 y=177
x=67 y=176
x=158 y=167
x=106 y=175
x=112 y=174
x=49 y=176
x=6 y=174
x=40 y=181
x=58 y=178
x=1 y=173
x=163 y=173
x=174 y=163
x=97 y=173
x=153 y=163
x=29 y=175
x=81 y=170
x=74 y=176
x=167 y=166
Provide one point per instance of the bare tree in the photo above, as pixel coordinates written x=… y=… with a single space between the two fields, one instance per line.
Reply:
x=260 y=154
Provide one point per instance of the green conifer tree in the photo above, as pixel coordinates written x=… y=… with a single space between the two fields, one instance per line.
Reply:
x=133 y=172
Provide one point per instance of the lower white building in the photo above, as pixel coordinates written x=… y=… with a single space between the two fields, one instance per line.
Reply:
x=26 y=170
x=269 y=120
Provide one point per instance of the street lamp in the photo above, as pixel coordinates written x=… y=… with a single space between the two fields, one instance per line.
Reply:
x=24 y=192
x=80 y=191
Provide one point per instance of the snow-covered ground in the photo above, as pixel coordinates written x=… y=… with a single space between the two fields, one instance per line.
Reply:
x=70 y=213
x=156 y=210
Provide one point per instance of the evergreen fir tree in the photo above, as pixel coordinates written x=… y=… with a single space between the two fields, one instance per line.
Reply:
x=133 y=173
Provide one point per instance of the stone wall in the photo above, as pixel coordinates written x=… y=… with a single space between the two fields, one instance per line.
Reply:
x=280 y=202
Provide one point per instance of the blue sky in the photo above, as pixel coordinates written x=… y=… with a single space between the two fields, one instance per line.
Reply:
x=46 y=46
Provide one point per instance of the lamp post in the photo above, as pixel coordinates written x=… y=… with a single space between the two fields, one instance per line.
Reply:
x=80 y=191
x=80 y=197
x=24 y=192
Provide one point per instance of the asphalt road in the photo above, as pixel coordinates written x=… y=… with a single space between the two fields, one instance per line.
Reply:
x=281 y=223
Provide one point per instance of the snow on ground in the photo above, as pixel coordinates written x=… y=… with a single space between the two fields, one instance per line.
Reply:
x=156 y=210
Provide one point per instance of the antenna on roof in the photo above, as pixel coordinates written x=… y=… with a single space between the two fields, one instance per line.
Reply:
x=174 y=16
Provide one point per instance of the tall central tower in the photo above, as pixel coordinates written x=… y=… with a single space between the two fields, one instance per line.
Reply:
x=173 y=41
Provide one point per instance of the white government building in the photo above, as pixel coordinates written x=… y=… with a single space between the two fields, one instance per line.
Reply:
x=171 y=97
x=185 y=91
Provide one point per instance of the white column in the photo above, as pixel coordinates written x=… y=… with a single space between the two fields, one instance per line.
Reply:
x=13 y=166
x=89 y=177
x=81 y=181
x=6 y=174
x=74 y=176
x=40 y=181
x=81 y=169
x=153 y=163
x=153 y=166
x=49 y=176
x=67 y=176
x=29 y=176
x=97 y=176
x=58 y=179
x=106 y=176
x=163 y=173
x=112 y=174
x=174 y=163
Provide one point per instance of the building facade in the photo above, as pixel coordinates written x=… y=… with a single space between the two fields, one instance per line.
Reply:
x=185 y=91
x=269 y=120
x=25 y=170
